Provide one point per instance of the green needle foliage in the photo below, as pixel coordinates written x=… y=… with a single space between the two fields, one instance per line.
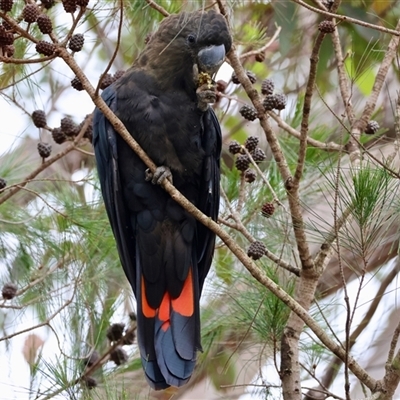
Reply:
x=56 y=244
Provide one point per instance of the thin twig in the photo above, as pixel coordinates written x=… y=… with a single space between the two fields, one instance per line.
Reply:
x=330 y=146
x=347 y=19
x=16 y=188
x=239 y=226
x=334 y=366
x=327 y=250
x=265 y=180
x=31 y=328
x=263 y=48
x=88 y=153
x=114 y=55
x=322 y=388
x=94 y=367
x=25 y=77
x=312 y=75
x=343 y=81
x=361 y=123
x=59 y=265
x=158 y=8
x=9 y=60
x=75 y=22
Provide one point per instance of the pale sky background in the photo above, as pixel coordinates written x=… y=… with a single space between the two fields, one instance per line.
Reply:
x=14 y=371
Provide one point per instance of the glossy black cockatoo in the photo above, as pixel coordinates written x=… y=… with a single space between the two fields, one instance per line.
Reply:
x=166 y=254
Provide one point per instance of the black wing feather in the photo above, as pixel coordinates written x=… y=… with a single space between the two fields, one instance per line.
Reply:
x=209 y=192
x=105 y=144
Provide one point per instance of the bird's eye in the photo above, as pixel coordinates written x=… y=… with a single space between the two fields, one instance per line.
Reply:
x=191 y=39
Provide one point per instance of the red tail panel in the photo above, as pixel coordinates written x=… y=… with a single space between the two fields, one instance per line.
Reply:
x=148 y=312
x=164 y=312
x=184 y=304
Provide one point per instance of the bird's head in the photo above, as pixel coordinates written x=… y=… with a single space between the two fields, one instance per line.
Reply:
x=185 y=41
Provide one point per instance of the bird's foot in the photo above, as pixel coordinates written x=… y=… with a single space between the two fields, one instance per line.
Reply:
x=206 y=93
x=159 y=175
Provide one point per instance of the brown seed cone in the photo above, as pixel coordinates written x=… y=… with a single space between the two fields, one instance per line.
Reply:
x=6 y=5
x=267 y=87
x=58 y=136
x=129 y=338
x=242 y=162
x=250 y=175
x=30 y=13
x=119 y=356
x=251 y=143
x=106 y=81
x=326 y=27
x=48 y=3
x=44 y=149
x=269 y=102
x=118 y=74
x=115 y=331
x=252 y=76
x=260 y=57
x=39 y=118
x=3 y=183
x=248 y=112
x=91 y=359
x=44 y=23
x=268 y=209
x=258 y=155
x=89 y=382
x=9 y=291
x=221 y=86
x=6 y=25
x=69 y=6
x=76 y=42
x=82 y=3
x=69 y=127
x=89 y=130
x=77 y=84
x=9 y=50
x=371 y=128
x=256 y=250
x=234 y=147
x=6 y=39
x=280 y=101
x=45 y=48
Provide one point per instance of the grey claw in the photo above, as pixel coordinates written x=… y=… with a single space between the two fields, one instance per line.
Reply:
x=205 y=95
x=159 y=175
x=148 y=175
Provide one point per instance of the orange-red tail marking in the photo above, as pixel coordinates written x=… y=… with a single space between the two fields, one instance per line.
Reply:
x=184 y=304
x=164 y=311
x=148 y=312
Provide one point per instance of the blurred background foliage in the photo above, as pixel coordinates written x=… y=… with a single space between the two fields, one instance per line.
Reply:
x=55 y=241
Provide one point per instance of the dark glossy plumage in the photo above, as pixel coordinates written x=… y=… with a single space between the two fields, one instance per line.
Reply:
x=165 y=252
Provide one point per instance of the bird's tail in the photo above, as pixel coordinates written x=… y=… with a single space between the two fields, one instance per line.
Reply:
x=169 y=336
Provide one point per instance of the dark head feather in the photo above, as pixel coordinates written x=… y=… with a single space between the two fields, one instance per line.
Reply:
x=173 y=49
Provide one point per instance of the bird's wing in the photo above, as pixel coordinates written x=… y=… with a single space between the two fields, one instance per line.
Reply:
x=105 y=144
x=209 y=191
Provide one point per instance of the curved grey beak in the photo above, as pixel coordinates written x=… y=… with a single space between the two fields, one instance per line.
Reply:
x=211 y=58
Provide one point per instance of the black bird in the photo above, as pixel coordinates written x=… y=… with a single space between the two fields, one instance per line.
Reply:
x=166 y=254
